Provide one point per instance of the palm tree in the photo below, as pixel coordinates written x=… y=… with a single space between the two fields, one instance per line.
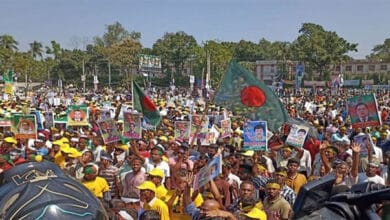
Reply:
x=8 y=42
x=36 y=49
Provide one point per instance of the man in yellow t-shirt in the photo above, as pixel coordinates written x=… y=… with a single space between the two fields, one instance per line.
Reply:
x=97 y=185
x=156 y=175
x=174 y=198
x=151 y=202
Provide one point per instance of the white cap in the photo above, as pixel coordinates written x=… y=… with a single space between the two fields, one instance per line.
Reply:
x=125 y=215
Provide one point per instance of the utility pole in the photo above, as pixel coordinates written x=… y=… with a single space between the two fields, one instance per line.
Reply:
x=109 y=75
x=208 y=70
x=83 y=78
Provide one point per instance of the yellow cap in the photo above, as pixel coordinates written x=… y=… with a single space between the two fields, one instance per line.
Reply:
x=157 y=172
x=124 y=147
x=10 y=140
x=256 y=213
x=163 y=138
x=248 y=153
x=147 y=185
x=57 y=142
x=74 y=153
x=38 y=158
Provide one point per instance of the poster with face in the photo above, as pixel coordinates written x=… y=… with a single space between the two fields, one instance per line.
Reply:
x=297 y=135
x=197 y=122
x=226 y=127
x=108 y=131
x=77 y=115
x=132 y=125
x=49 y=119
x=255 y=135
x=210 y=171
x=363 y=111
x=24 y=126
x=182 y=131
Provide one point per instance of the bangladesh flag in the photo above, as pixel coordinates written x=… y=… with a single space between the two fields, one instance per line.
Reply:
x=144 y=104
x=241 y=92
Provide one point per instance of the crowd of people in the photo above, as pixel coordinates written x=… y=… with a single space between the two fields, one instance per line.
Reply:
x=152 y=177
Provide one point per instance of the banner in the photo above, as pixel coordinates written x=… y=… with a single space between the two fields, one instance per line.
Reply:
x=363 y=111
x=355 y=82
x=24 y=126
x=314 y=83
x=255 y=135
x=132 y=125
x=297 y=135
x=5 y=122
x=182 y=130
x=77 y=115
x=108 y=131
x=210 y=171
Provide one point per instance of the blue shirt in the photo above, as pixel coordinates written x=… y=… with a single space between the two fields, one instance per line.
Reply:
x=192 y=211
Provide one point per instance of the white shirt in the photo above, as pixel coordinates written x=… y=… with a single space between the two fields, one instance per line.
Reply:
x=149 y=165
x=362 y=177
x=305 y=162
x=270 y=166
x=233 y=178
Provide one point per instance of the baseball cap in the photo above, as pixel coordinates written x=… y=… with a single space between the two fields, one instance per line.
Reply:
x=147 y=185
x=156 y=172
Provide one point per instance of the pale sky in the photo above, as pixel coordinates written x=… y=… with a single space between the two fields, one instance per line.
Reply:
x=74 y=23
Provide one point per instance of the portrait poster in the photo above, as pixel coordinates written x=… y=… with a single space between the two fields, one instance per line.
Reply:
x=255 y=135
x=297 y=135
x=77 y=115
x=210 y=171
x=108 y=131
x=132 y=125
x=363 y=140
x=196 y=121
x=226 y=128
x=24 y=126
x=211 y=136
x=363 y=111
x=182 y=130
x=49 y=119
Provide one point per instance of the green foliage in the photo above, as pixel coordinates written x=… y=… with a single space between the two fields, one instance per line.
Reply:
x=175 y=49
x=381 y=52
x=320 y=48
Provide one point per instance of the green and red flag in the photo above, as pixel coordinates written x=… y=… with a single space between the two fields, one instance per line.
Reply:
x=144 y=104
x=241 y=92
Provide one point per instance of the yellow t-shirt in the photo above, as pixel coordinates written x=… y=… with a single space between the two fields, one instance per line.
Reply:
x=178 y=205
x=97 y=186
x=159 y=206
x=297 y=182
x=161 y=192
x=59 y=159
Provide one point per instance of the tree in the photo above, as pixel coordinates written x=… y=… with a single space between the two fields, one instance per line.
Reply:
x=36 y=49
x=115 y=33
x=319 y=48
x=381 y=52
x=8 y=42
x=175 y=49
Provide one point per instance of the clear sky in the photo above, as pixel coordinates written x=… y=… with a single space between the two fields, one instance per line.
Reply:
x=74 y=23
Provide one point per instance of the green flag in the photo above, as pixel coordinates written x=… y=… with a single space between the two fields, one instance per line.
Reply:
x=8 y=77
x=241 y=92
x=144 y=104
